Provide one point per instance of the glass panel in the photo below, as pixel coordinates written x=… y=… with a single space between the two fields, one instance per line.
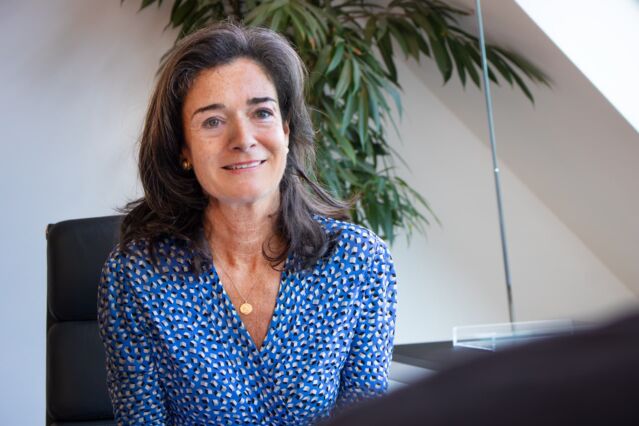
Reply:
x=493 y=337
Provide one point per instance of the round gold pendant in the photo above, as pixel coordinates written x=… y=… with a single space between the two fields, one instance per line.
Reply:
x=246 y=308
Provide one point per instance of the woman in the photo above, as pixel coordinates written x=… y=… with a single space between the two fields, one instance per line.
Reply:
x=236 y=296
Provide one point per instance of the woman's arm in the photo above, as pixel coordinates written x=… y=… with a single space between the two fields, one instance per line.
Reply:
x=365 y=373
x=132 y=377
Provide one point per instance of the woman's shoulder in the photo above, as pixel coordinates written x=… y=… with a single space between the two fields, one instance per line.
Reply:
x=351 y=235
x=145 y=253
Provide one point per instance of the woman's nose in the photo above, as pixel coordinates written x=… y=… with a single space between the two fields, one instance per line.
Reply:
x=242 y=138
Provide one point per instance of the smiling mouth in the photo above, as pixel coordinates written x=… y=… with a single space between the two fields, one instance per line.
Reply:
x=248 y=165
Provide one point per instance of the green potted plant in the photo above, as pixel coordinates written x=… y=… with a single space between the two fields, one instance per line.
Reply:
x=350 y=49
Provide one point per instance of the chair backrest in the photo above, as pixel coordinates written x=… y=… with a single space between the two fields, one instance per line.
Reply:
x=76 y=376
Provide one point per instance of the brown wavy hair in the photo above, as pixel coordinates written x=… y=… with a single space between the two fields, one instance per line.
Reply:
x=174 y=202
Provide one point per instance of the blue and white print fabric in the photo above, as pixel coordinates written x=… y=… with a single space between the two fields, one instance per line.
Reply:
x=177 y=352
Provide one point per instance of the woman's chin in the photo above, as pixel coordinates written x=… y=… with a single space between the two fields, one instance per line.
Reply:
x=248 y=198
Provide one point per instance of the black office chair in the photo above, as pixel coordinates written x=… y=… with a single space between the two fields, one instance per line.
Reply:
x=76 y=392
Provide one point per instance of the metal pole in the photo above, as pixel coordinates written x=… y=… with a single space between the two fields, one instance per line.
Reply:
x=491 y=130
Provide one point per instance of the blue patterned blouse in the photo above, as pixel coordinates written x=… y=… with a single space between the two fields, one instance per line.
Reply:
x=178 y=354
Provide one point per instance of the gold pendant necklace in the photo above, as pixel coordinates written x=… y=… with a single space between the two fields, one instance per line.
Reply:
x=245 y=307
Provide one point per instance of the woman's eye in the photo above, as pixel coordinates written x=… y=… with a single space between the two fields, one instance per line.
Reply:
x=211 y=123
x=263 y=113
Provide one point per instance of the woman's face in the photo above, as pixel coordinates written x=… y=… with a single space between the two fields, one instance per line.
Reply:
x=235 y=137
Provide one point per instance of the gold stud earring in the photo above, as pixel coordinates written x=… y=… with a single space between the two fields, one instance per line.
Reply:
x=186 y=165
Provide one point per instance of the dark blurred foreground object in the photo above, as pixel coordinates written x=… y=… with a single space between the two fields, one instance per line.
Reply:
x=590 y=378
x=76 y=372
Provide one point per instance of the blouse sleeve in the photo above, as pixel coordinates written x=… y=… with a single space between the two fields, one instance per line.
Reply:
x=365 y=372
x=132 y=379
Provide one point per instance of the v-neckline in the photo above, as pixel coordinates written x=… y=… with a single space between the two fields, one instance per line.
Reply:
x=242 y=330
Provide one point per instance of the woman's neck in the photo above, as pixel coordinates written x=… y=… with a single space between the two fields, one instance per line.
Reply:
x=237 y=233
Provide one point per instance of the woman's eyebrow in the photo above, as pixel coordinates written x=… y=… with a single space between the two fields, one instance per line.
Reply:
x=254 y=101
x=207 y=108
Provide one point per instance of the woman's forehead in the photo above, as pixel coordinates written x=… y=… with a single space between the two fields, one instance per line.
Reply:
x=238 y=74
x=237 y=81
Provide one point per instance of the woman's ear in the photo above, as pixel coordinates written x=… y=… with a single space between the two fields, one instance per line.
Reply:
x=287 y=132
x=185 y=153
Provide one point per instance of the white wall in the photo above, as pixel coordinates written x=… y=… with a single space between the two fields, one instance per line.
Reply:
x=76 y=78
x=572 y=148
x=455 y=275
